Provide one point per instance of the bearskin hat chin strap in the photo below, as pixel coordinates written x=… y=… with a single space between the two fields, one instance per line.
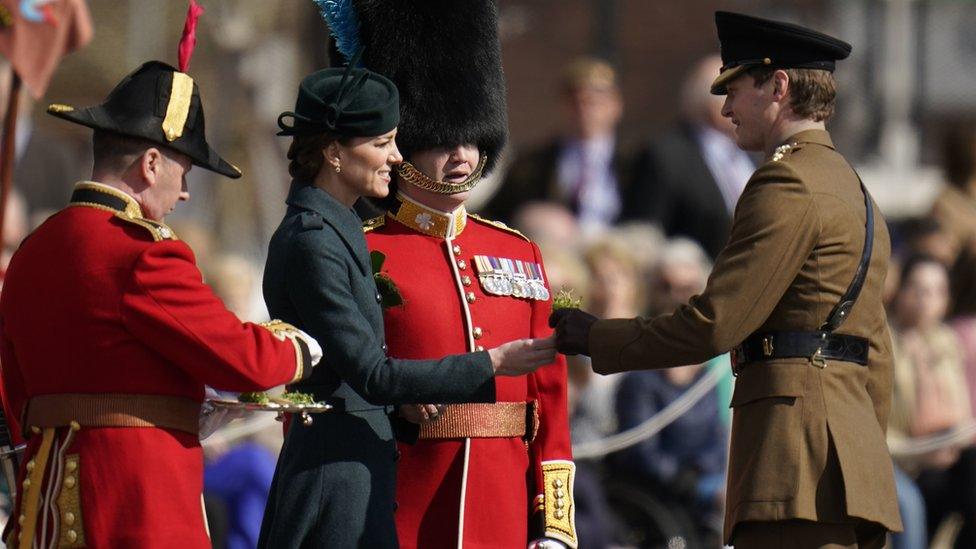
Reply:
x=415 y=177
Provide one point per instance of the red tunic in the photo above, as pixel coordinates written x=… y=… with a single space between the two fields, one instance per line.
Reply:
x=100 y=301
x=476 y=492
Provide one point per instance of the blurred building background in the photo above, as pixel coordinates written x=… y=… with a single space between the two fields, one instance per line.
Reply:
x=911 y=70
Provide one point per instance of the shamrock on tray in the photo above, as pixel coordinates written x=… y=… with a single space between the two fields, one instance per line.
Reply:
x=389 y=293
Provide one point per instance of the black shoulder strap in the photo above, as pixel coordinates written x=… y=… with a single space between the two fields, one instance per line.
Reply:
x=843 y=309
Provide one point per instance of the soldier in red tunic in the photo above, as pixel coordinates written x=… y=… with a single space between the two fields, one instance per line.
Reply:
x=481 y=475
x=109 y=335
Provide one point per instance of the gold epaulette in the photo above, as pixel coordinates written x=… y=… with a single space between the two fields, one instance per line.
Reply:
x=497 y=225
x=159 y=231
x=557 y=503
x=374 y=223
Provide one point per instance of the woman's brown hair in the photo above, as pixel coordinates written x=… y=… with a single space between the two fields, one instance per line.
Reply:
x=305 y=155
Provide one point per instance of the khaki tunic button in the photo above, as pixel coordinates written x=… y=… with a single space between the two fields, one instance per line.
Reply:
x=477 y=332
x=457 y=250
x=462 y=265
x=21 y=520
x=69 y=482
x=560 y=493
x=557 y=483
x=71 y=466
x=470 y=297
x=72 y=536
x=69 y=518
x=559 y=514
x=30 y=466
x=26 y=483
x=466 y=280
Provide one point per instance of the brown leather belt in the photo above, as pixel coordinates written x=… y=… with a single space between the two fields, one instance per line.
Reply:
x=114 y=410
x=498 y=420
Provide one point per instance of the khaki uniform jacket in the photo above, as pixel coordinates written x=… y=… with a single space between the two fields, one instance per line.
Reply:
x=807 y=443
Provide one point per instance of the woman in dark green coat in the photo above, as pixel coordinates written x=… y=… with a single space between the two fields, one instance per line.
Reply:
x=334 y=484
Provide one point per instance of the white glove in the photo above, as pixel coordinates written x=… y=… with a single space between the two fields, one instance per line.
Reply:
x=547 y=543
x=213 y=418
x=314 y=349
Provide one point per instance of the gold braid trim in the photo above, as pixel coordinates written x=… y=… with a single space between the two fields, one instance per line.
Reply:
x=374 y=223
x=415 y=177
x=498 y=225
x=30 y=494
x=560 y=511
x=282 y=331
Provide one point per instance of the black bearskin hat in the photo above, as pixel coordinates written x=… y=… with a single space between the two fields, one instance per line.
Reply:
x=445 y=58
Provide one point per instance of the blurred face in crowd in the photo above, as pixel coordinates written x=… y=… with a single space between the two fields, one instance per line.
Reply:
x=675 y=285
x=924 y=296
x=365 y=165
x=448 y=164
x=698 y=104
x=613 y=288
x=594 y=111
x=753 y=110
x=164 y=172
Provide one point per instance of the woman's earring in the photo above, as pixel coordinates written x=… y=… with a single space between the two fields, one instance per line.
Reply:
x=338 y=169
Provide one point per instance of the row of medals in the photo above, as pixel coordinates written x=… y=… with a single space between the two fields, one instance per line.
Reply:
x=515 y=285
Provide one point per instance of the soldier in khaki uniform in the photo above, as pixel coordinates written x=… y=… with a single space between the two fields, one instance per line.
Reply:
x=796 y=297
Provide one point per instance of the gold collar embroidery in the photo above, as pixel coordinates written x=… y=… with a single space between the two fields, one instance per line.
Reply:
x=130 y=209
x=428 y=220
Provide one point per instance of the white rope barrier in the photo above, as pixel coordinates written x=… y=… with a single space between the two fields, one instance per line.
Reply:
x=654 y=424
x=959 y=436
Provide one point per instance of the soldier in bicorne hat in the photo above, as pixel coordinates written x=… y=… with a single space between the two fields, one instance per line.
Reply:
x=796 y=296
x=109 y=336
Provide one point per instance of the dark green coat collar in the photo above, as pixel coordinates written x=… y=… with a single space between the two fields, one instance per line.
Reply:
x=343 y=220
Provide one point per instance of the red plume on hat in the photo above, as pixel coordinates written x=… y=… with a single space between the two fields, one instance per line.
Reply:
x=189 y=39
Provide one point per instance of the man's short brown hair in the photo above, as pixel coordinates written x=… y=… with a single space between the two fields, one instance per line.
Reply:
x=812 y=91
x=115 y=152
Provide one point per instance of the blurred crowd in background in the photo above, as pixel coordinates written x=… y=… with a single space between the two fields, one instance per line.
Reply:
x=623 y=170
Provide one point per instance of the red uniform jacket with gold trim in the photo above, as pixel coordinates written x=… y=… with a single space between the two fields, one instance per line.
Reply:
x=98 y=301
x=477 y=493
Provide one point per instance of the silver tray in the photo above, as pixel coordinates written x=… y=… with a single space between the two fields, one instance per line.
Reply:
x=304 y=410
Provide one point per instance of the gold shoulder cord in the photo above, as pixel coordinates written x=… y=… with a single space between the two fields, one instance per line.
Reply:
x=413 y=176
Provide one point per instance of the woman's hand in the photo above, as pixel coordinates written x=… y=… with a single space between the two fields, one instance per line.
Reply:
x=421 y=413
x=522 y=356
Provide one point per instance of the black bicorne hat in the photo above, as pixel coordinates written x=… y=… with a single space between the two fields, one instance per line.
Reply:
x=445 y=58
x=345 y=102
x=158 y=103
x=749 y=41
